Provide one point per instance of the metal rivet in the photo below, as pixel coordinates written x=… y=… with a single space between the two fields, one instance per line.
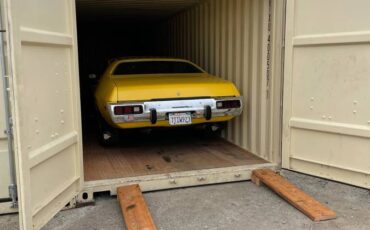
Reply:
x=201 y=178
x=238 y=175
x=323 y=117
x=36 y=119
x=330 y=118
x=37 y=131
x=52 y=136
x=355 y=102
x=62 y=121
x=312 y=99
x=172 y=181
x=56 y=134
x=62 y=111
x=354 y=111
x=311 y=107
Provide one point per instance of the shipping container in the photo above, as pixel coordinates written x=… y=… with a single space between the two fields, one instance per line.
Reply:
x=301 y=65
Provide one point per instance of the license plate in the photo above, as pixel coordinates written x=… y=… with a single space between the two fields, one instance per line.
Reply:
x=179 y=118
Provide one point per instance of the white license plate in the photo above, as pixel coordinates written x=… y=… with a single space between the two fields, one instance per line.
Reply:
x=179 y=118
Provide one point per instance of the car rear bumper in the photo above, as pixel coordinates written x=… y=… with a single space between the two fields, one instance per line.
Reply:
x=157 y=111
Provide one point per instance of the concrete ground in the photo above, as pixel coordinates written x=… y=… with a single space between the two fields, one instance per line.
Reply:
x=226 y=206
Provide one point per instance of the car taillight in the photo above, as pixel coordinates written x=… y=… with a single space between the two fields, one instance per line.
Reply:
x=126 y=110
x=229 y=104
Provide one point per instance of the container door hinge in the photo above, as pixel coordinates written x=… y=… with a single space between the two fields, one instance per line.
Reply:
x=13 y=195
x=9 y=131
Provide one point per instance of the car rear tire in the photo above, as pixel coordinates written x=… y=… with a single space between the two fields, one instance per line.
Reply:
x=216 y=129
x=213 y=130
x=107 y=135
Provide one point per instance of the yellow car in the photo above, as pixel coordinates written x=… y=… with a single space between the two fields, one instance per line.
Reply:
x=162 y=92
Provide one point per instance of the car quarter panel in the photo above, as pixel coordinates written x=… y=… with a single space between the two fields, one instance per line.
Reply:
x=105 y=93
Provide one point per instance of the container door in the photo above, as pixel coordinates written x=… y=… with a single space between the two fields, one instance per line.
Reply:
x=326 y=90
x=46 y=106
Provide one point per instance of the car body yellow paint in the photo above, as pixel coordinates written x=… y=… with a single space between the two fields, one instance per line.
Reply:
x=114 y=89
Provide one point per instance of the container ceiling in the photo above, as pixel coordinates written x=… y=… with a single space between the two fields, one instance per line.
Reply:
x=131 y=9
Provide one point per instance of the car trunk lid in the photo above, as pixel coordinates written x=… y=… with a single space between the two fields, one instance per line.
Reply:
x=165 y=86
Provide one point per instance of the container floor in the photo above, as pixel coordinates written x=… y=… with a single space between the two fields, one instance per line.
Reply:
x=163 y=151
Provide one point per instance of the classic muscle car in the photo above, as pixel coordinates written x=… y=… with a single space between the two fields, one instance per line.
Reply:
x=162 y=92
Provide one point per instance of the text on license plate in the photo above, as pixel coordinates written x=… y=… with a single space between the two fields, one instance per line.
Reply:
x=179 y=118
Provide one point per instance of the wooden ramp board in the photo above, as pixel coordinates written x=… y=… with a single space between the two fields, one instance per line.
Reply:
x=134 y=208
x=296 y=197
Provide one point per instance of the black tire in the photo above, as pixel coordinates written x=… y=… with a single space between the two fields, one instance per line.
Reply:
x=107 y=135
x=214 y=130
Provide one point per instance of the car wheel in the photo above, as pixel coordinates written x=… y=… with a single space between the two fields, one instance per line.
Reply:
x=214 y=130
x=107 y=135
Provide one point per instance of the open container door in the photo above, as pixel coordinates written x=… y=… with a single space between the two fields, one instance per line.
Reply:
x=46 y=107
x=326 y=90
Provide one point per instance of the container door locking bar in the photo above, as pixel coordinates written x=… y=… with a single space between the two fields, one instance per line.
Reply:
x=9 y=124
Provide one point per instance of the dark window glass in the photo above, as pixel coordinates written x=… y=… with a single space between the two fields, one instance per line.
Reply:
x=155 y=67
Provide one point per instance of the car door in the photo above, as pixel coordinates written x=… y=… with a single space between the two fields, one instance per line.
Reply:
x=326 y=127
x=45 y=106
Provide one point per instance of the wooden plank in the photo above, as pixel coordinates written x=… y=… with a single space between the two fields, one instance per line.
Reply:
x=134 y=208
x=296 y=197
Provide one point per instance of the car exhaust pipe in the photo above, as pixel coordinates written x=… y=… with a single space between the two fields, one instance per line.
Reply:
x=208 y=112
x=153 y=116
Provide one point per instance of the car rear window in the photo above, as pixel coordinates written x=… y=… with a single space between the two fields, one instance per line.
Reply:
x=155 y=67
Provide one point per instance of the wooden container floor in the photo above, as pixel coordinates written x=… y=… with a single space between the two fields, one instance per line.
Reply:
x=160 y=153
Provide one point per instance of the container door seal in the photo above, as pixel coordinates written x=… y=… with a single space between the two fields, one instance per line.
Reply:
x=45 y=106
x=326 y=120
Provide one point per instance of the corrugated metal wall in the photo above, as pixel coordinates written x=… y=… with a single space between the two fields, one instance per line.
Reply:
x=90 y=10
x=230 y=38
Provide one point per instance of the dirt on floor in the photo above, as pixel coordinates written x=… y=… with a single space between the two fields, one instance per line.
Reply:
x=226 y=206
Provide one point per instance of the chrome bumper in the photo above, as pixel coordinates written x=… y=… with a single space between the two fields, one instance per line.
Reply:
x=197 y=107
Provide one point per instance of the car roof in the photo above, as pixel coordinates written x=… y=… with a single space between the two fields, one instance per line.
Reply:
x=118 y=61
